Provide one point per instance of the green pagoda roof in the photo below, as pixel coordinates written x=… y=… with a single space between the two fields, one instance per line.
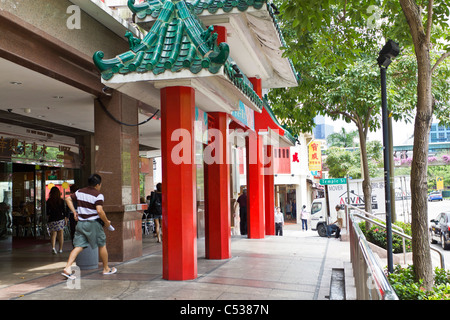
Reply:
x=153 y=7
x=177 y=41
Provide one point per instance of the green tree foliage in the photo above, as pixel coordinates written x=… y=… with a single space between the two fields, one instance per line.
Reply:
x=342 y=139
x=341 y=162
x=329 y=36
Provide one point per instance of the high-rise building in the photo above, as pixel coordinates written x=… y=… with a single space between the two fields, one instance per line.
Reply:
x=322 y=130
x=439 y=133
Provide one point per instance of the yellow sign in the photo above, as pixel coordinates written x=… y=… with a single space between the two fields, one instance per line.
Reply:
x=439 y=183
x=315 y=156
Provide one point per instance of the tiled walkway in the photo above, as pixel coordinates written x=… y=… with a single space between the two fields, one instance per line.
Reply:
x=296 y=266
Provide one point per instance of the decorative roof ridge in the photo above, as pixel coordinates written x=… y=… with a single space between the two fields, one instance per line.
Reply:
x=177 y=40
x=198 y=46
x=287 y=133
x=152 y=7
x=232 y=71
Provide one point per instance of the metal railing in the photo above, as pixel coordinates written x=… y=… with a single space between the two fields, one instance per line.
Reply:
x=370 y=280
x=372 y=219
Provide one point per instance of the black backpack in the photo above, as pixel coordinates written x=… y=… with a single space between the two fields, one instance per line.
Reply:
x=155 y=204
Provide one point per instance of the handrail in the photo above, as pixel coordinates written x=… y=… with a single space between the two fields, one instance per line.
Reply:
x=393 y=226
x=401 y=234
x=370 y=280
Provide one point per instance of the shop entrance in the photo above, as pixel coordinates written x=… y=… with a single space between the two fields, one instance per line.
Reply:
x=24 y=189
x=285 y=198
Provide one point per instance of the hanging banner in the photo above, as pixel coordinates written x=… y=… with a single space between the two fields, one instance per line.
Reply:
x=315 y=156
x=439 y=183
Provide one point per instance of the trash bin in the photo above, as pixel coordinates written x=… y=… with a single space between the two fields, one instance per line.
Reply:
x=87 y=259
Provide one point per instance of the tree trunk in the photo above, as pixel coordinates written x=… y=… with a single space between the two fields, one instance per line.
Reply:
x=419 y=188
x=367 y=186
x=419 y=207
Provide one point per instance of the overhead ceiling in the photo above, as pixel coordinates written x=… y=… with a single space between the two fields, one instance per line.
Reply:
x=31 y=99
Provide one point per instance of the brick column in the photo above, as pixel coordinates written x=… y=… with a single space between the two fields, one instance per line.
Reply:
x=116 y=159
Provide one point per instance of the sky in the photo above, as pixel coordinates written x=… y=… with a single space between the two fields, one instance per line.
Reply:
x=401 y=132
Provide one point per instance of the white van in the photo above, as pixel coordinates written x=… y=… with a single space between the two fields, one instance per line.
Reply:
x=320 y=217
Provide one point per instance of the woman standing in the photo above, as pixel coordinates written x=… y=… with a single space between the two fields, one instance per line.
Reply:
x=56 y=218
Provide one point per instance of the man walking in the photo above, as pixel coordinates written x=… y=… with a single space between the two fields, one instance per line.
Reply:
x=91 y=218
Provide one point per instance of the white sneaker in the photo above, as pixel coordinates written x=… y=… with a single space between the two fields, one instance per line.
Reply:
x=54 y=251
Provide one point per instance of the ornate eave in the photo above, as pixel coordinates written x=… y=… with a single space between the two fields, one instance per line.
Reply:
x=177 y=47
x=255 y=39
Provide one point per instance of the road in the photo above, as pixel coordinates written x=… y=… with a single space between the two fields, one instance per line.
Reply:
x=434 y=208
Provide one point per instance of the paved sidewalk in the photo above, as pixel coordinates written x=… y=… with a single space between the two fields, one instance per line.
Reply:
x=296 y=266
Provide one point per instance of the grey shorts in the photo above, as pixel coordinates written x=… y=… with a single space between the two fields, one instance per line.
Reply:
x=89 y=233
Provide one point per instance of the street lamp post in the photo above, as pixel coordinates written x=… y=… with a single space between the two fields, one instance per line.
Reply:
x=388 y=52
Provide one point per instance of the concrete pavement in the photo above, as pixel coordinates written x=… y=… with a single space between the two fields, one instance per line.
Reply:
x=296 y=266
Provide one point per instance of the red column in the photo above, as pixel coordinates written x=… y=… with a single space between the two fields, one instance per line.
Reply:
x=217 y=189
x=179 y=221
x=257 y=86
x=221 y=34
x=255 y=186
x=268 y=178
x=269 y=191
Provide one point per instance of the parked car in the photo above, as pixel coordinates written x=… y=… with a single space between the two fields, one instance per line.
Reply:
x=435 y=195
x=440 y=230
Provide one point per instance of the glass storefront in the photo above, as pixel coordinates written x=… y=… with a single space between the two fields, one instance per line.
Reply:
x=23 y=191
x=31 y=163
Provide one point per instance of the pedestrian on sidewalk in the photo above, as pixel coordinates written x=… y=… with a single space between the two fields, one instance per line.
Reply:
x=57 y=219
x=279 y=222
x=304 y=215
x=155 y=209
x=89 y=230
x=242 y=201
x=337 y=225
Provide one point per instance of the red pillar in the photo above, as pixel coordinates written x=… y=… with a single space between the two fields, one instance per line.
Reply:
x=179 y=221
x=217 y=189
x=268 y=180
x=255 y=186
x=221 y=34
x=269 y=191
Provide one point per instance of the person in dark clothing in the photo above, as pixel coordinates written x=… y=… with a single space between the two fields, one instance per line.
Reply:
x=156 y=209
x=56 y=218
x=242 y=201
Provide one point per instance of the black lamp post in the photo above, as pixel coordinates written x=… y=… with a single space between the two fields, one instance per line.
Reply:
x=390 y=50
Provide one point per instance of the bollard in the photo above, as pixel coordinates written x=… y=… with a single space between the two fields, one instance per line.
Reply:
x=87 y=259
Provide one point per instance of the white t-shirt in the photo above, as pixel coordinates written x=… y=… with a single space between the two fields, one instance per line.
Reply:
x=279 y=217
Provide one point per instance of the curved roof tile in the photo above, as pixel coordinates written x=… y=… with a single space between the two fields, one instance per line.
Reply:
x=176 y=41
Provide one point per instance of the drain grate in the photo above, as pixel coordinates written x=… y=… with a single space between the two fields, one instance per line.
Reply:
x=337 y=287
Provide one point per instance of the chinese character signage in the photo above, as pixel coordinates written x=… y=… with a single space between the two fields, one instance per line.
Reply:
x=245 y=115
x=20 y=150
x=315 y=156
x=439 y=183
